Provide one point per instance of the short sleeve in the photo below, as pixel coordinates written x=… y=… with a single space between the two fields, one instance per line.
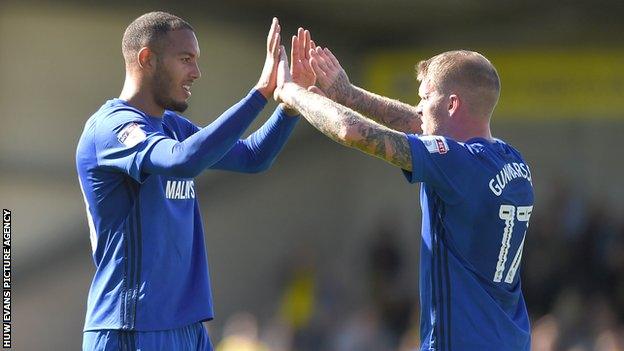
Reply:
x=123 y=140
x=439 y=162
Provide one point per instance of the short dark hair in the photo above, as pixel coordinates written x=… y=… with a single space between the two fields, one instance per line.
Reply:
x=148 y=31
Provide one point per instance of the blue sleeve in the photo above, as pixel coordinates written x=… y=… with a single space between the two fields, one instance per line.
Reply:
x=189 y=128
x=188 y=158
x=123 y=140
x=258 y=151
x=439 y=162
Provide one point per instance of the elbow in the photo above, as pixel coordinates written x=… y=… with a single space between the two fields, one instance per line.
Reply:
x=187 y=165
x=259 y=167
x=258 y=160
x=184 y=171
x=175 y=160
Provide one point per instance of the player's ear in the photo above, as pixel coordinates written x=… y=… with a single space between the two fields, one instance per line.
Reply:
x=453 y=104
x=146 y=58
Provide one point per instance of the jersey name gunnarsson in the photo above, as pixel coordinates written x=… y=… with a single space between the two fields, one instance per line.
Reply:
x=476 y=201
x=509 y=172
x=180 y=189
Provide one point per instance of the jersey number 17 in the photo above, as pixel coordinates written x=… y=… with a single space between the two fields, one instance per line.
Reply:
x=510 y=214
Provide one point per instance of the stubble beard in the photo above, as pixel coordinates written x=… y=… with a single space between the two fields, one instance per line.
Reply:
x=162 y=88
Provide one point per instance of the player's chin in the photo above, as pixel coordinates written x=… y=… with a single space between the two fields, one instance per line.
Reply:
x=178 y=105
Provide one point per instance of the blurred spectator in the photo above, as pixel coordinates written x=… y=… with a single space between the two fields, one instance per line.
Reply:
x=545 y=334
x=410 y=340
x=387 y=282
x=299 y=308
x=363 y=332
x=241 y=334
x=573 y=273
x=573 y=279
x=610 y=340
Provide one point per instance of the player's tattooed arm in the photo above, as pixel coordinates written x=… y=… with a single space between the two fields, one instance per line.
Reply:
x=392 y=113
x=350 y=128
x=334 y=83
x=340 y=123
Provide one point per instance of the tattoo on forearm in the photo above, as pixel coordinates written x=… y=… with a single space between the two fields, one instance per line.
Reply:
x=349 y=128
x=320 y=112
x=384 y=143
x=389 y=112
x=339 y=88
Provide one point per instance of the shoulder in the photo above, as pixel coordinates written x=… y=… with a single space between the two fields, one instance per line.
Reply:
x=441 y=145
x=507 y=150
x=115 y=121
x=171 y=116
x=478 y=146
x=114 y=110
x=114 y=115
x=179 y=122
x=507 y=146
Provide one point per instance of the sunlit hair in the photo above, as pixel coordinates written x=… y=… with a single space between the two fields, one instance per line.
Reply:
x=466 y=73
x=149 y=30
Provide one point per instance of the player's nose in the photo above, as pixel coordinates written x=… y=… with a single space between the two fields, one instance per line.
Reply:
x=419 y=110
x=196 y=72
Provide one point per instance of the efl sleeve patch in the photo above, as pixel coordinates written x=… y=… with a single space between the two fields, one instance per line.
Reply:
x=435 y=144
x=131 y=135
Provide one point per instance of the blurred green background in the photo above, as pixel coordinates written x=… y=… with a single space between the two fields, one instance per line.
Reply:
x=321 y=251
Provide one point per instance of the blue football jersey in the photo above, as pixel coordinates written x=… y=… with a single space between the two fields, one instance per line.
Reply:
x=476 y=200
x=146 y=230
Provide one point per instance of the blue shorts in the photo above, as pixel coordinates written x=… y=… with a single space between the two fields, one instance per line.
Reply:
x=190 y=338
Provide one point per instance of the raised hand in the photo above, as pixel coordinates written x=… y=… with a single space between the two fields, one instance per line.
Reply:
x=283 y=76
x=267 y=81
x=331 y=77
x=301 y=70
x=333 y=82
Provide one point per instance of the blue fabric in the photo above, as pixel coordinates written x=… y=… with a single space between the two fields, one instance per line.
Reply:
x=257 y=152
x=187 y=158
x=476 y=200
x=190 y=338
x=145 y=225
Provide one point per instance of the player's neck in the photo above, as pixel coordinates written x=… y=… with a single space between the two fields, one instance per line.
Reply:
x=140 y=97
x=469 y=131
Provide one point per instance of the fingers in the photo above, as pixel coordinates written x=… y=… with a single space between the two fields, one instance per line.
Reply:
x=306 y=65
x=283 y=56
x=326 y=57
x=283 y=63
x=307 y=45
x=294 y=49
x=331 y=57
x=307 y=42
x=273 y=35
x=321 y=59
x=318 y=70
x=300 y=43
x=283 y=73
x=275 y=46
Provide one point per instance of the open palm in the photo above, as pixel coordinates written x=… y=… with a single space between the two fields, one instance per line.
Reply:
x=300 y=70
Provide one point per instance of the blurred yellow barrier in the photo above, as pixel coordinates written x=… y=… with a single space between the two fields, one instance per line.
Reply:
x=536 y=83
